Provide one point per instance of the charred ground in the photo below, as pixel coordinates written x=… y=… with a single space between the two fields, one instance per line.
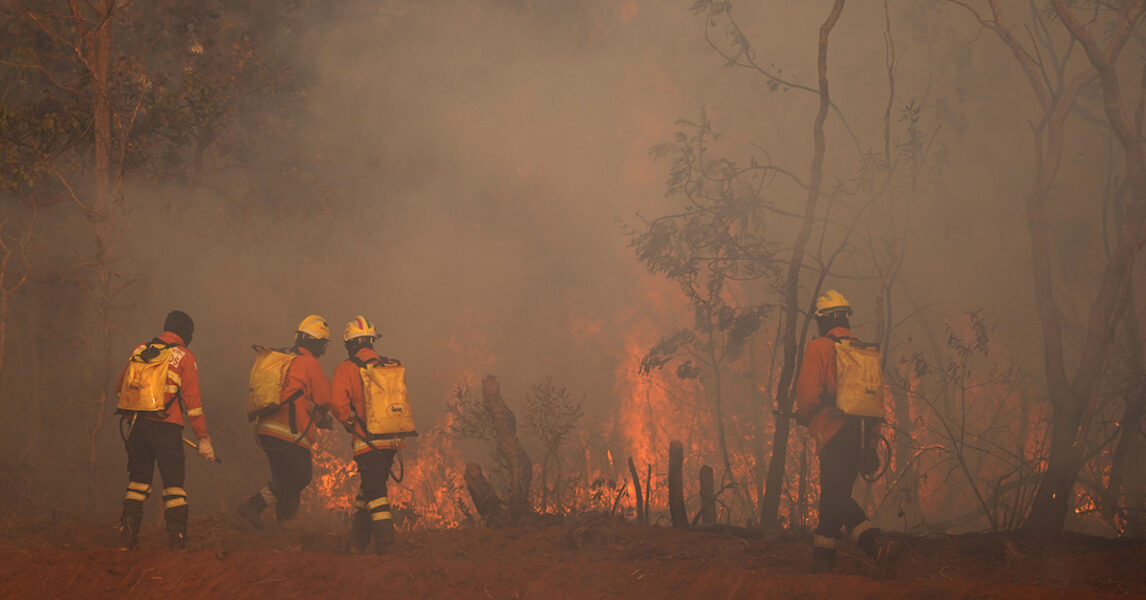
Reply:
x=60 y=556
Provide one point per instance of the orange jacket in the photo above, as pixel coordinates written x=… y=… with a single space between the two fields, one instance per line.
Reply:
x=305 y=373
x=816 y=388
x=347 y=393
x=182 y=375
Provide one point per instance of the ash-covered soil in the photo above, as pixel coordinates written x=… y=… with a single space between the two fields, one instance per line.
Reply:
x=62 y=556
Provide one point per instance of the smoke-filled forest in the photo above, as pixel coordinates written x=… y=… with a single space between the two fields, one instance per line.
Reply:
x=598 y=235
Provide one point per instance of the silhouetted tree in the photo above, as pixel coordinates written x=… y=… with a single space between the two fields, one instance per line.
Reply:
x=1072 y=397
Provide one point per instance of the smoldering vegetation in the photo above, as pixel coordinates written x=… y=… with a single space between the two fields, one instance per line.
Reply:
x=600 y=197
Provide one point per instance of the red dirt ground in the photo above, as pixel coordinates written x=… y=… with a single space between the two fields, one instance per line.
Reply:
x=594 y=557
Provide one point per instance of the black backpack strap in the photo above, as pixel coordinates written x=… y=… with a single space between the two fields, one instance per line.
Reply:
x=153 y=348
x=289 y=404
x=176 y=397
x=362 y=364
x=856 y=342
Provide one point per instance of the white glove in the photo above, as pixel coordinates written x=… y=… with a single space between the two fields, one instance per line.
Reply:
x=206 y=450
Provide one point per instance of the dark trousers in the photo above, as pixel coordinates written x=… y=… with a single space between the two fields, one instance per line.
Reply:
x=290 y=474
x=373 y=503
x=374 y=470
x=839 y=467
x=152 y=443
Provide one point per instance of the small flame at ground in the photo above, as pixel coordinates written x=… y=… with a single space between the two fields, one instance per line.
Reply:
x=334 y=483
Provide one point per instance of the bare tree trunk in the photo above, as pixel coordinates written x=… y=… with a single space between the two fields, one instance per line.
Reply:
x=1129 y=424
x=759 y=444
x=1071 y=400
x=908 y=475
x=798 y=520
x=509 y=448
x=718 y=401
x=676 y=485
x=10 y=282
x=96 y=48
x=1114 y=496
x=1124 y=469
x=901 y=406
x=1052 y=498
x=707 y=496
x=648 y=490
x=95 y=52
x=484 y=497
x=769 y=507
x=1072 y=403
x=642 y=516
x=543 y=501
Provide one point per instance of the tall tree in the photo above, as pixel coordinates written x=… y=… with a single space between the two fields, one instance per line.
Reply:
x=790 y=307
x=1073 y=404
x=13 y=270
x=712 y=246
x=1072 y=398
x=107 y=89
x=86 y=31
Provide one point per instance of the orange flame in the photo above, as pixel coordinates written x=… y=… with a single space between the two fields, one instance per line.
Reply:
x=335 y=481
x=432 y=493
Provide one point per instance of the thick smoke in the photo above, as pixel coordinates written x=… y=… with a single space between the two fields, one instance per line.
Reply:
x=481 y=162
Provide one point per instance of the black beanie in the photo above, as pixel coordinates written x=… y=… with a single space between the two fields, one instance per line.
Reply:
x=180 y=323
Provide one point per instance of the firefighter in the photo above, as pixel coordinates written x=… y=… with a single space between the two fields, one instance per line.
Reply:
x=152 y=411
x=843 y=454
x=286 y=434
x=374 y=457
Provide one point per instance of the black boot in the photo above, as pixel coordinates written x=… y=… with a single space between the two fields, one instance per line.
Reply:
x=176 y=540
x=176 y=518
x=878 y=546
x=823 y=559
x=383 y=536
x=132 y=518
x=129 y=531
x=252 y=510
x=360 y=531
x=868 y=541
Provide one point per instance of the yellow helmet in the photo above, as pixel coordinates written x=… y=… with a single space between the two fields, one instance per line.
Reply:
x=315 y=326
x=832 y=301
x=359 y=327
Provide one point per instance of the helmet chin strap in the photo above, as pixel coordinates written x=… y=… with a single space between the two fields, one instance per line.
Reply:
x=316 y=346
x=830 y=321
x=353 y=345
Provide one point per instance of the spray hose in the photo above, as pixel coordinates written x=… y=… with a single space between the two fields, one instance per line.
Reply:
x=879 y=473
x=397 y=453
x=124 y=436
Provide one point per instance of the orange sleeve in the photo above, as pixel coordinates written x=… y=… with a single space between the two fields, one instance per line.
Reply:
x=813 y=375
x=191 y=396
x=341 y=387
x=318 y=383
